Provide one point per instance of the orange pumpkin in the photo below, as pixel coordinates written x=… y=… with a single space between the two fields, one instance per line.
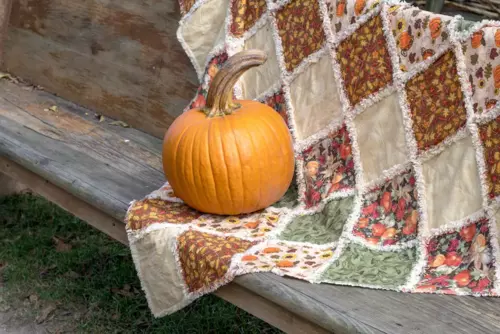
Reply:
x=496 y=76
x=405 y=41
x=340 y=8
x=476 y=39
x=229 y=157
x=435 y=27
x=497 y=38
x=359 y=6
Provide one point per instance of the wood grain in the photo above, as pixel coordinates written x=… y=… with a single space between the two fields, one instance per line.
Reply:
x=90 y=161
x=120 y=58
x=5 y=10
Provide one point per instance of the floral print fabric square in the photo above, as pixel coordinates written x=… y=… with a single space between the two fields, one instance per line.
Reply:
x=436 y=102
x=364 y=61
x=418 y=34
x=328 y=167
x=482 y=59
x=460 y=261
x=278 y=103
x=245 y=14
x=490 y=137
x=390 y=212
x=150 y=211
x=301 y=31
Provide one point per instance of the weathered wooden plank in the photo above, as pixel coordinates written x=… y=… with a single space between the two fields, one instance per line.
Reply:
x=5 y=10
x=112 y=227
x=121 y=58
x=9 y=186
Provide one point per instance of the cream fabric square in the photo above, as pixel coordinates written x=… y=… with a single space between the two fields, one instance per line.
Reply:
x=204 y=30
x=260 y=79
x=315 y=98
x=157 y=269
x=452 y=184
x=381 y=138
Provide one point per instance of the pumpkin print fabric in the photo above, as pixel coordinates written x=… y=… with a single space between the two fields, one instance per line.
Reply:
x=336 y=225
x=417 y=34
x=482 y=51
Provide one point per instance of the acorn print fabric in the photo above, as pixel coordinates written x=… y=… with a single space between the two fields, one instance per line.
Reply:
x=397 y=165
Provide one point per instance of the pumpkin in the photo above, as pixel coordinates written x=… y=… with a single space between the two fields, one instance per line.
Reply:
x=496 y=76
x=359 y=6
x=476 y=39
x=405 y=41
x=340 y=8
x=229 y=157
x=435 y=27
x=497 y=38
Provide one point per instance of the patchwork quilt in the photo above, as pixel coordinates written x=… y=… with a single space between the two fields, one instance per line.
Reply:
x=396 y=124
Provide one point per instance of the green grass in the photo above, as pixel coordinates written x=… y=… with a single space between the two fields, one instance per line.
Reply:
x=95 y=279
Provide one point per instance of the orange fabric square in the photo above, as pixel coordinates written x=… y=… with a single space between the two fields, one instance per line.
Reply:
x=205 y=258
x=301 y=31
x=364 y=61
x=436 y=102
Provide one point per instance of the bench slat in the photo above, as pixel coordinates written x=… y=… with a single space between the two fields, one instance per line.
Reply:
x=78 y=154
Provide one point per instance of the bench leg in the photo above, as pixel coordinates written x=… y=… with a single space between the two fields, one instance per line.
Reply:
x=9 y=186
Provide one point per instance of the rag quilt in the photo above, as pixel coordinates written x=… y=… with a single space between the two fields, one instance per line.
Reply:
x=396 y=124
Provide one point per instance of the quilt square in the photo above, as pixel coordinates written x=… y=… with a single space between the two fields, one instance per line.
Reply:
x=364 y=61
x=205 y=258
x=315 y=98
x=328 y=167
x=360 y=265
x=452 y=186
x=417 y=34
x=206 y=22
x=186 y=5
x=245 y=13
x=460 y=261
x=490 y=137
x=389 y=214
x=381 y=138
x=300 y=29
x=277 y=102
x=343 y=13
x=482 y=51
x=259 y=80
x=322 y=227
x=436 y=102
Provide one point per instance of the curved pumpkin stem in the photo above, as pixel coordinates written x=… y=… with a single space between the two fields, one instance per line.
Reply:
x=220 y=94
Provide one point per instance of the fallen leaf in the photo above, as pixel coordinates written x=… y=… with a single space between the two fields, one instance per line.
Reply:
x=45 y=313
x=5 y=75
x=101 y=118
x=120 y=123
x=61 y=246
x=53 y=108
x=115 y=316
x=123 y=292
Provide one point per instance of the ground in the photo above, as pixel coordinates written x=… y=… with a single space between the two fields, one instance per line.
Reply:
x=59 y=275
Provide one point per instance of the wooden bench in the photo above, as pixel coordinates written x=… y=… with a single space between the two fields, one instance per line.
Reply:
x=93 y=169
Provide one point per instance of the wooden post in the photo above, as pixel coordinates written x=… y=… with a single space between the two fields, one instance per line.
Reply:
x=5 y=9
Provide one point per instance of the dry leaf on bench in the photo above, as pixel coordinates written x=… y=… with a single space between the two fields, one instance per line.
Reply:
x=120 y=123
x=61 y=246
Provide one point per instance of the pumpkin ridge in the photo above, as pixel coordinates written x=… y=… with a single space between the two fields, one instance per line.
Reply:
x=192 y=156
x=242 y=187
x=210 y=163
x=175 y=153
x=232 y=195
